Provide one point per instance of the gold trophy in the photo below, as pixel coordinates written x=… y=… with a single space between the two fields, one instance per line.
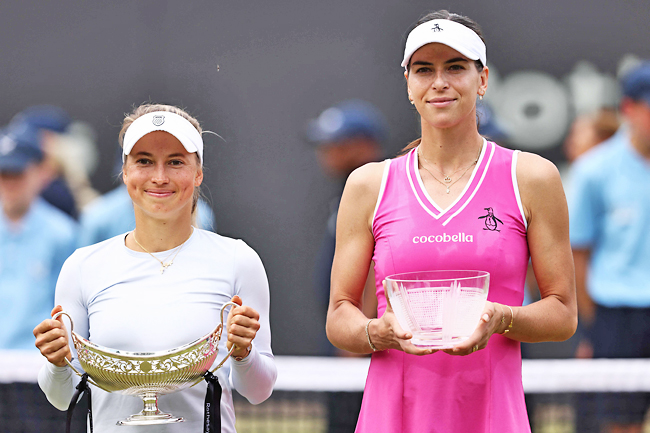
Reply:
x=148 y=374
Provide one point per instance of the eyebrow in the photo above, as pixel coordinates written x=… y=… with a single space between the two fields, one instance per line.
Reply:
x=454 y=60
x=173 y=155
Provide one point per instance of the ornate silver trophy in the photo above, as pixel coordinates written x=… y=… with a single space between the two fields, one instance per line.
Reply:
x=148 y=374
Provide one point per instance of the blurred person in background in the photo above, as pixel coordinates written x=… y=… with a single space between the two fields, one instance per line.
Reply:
x=35 y=237
x=444 y=183
x=610 y=216
x=588 y=130
x=70 y=156
x=112 y=213
x=346 y=136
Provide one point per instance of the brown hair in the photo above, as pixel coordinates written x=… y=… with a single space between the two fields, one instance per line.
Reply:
x=146 y=108
x=444 y=14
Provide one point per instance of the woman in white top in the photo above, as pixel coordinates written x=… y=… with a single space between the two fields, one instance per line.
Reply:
x=163 y=284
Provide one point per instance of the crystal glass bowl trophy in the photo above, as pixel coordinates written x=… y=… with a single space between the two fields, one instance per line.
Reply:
x=439 y=308
x=148 y=374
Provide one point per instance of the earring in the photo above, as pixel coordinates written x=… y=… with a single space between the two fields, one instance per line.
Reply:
x=412 y=103
x=480 y=97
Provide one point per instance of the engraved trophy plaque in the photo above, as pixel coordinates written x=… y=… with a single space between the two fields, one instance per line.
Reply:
x=148 y=374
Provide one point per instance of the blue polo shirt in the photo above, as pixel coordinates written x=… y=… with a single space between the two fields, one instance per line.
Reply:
x=32 y=252
x=609 y=213
x=112 y=214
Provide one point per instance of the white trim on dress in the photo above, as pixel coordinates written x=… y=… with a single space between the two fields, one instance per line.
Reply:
x=515 y=186
x=426 y=193
x=384 y=179
x=478 y=186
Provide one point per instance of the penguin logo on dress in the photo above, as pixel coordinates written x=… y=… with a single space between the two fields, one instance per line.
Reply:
x=491 y=222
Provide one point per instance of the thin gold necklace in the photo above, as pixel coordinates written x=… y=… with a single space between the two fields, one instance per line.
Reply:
x=447 y=179
x=163 y=265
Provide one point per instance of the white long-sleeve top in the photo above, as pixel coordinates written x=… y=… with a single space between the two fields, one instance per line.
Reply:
x=119 y=299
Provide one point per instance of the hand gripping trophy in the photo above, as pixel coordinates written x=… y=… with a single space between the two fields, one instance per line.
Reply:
x=148 y=374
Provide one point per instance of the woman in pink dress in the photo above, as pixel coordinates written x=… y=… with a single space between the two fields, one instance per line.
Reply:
x=453 y=200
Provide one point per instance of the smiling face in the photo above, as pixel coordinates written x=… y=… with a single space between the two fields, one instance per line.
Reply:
x=161 y=175
x=443 y=85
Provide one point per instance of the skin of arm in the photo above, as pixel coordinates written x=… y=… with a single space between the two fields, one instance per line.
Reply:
x=554 y=317
x=368 y=307
x=354 y=248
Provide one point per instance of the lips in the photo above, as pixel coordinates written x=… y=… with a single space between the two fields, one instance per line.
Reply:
x=441 y=102
x=159 y=193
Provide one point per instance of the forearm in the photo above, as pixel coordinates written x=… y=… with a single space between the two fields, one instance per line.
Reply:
x=254 y=376
x=346 y=326
x=554 y=317
x=549 y=319
x=57 y=383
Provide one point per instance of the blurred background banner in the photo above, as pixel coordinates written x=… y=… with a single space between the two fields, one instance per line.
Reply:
x=257 y=73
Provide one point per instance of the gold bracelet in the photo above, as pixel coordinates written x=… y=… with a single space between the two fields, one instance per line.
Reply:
x=372 y=346
x=503 y=316
x=512 y=320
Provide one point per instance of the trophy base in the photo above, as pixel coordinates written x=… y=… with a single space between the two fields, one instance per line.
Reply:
x=436 y=342
x=159 y=418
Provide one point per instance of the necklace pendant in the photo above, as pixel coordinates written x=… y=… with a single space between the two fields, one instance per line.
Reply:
x=447 y=190
x=447 y=179
x=164 y=267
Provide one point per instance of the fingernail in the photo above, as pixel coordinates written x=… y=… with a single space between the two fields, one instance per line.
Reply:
x=486 y=318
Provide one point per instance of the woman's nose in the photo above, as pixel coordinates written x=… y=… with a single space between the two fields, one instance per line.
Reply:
x=160 y=174
x=439 y=81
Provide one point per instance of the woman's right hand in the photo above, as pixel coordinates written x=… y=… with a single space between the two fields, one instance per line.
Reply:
x=52 y=339
x=386 y=333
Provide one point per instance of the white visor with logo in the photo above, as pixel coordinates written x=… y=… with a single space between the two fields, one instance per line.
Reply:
x=450 y=33
x=166 y=121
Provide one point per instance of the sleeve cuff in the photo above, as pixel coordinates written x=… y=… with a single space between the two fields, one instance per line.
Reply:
x=247 y=360
x=58 y=371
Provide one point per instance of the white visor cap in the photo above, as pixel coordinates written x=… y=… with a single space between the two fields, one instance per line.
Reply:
x=450 y=33
x=166 y=121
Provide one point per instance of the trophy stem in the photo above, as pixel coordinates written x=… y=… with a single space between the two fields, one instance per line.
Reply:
x=150 y=415
x=150 y=404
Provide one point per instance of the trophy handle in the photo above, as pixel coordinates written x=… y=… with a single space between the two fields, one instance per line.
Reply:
x=56 y=316
x=221 y=325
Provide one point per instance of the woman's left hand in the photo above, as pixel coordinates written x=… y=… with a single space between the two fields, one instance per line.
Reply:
x=243 y=323
x=489 y=323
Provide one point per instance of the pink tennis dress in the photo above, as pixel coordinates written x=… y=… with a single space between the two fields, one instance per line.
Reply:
x=484 y=229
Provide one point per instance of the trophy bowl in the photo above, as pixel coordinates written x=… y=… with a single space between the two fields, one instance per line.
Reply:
x=148 y=374
x=439 y=308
